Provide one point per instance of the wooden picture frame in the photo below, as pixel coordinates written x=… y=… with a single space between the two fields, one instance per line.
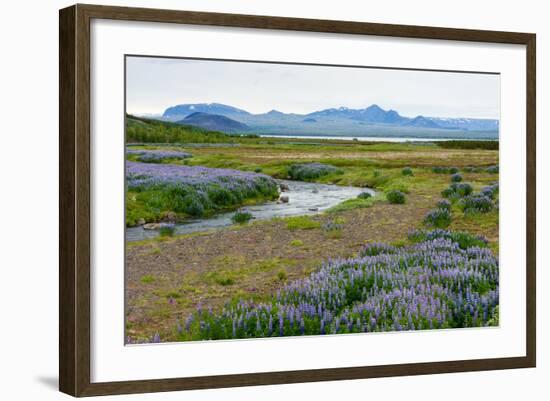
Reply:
x=74 y=203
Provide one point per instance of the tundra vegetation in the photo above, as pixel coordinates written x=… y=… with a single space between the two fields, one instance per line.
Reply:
x=421 y=253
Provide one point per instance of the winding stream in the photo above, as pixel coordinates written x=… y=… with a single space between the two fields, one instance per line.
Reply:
x=305 y=198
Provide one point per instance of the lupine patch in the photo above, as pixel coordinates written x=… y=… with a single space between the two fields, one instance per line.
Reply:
x=490 y=190
x=438 y=218
x=311 y=171
x=476 y=204
x=193 y=190
x=444 y=204
x=464 y=240
x=432 y=284
x=457 y=190
x=157 y=156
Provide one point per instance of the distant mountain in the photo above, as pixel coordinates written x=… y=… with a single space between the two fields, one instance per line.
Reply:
x=422 y=122
x=470 y=124
x=181 y=111
x=214 y=122
x=372 y=114
x=370 y=121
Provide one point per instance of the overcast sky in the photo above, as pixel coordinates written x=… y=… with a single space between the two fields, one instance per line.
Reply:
x=153 y=84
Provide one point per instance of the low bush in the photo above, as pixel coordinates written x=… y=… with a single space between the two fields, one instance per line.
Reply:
x=407 y=171
x=311 y=171
x=438 y=218
x=444 y=204
x=456 y=177
x=167 y=229
x=364 y=195
x=490 y=191
x=444 y=170
x=492 y=169
x=241 y=217
x=457 y=190
x=476 y=204
x=395 y=197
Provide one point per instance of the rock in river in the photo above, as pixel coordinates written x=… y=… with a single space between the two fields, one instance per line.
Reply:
x=283 y=186
x=284 y=198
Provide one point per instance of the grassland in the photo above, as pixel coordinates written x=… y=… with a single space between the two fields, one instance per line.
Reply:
x=168 y=278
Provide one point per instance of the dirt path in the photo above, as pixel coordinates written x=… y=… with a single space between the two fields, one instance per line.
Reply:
x=166 y=280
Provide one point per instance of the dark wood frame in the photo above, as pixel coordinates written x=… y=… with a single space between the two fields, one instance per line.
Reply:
x=74 y=199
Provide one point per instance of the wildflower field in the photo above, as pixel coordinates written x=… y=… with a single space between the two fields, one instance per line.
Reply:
x=421 y=253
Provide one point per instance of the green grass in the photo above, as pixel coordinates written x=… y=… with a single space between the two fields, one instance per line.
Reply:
x=357 y=203
x=302 y=223
x=235 y=270
x=148 y=278
x=296 y=242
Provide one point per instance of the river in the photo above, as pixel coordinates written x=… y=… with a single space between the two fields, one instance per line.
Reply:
x=305 y=198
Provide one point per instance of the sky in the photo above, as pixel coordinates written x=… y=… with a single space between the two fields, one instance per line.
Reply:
x=154 y=84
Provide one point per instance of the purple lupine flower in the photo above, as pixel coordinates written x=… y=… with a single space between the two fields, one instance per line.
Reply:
x=430 y=284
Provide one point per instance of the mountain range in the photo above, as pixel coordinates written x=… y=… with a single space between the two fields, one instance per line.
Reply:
x=370 y=121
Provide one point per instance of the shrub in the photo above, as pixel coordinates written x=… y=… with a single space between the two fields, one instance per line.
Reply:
x=167 y=229
x=444 y=204
x=438 y=218
x=407 y=171
x=364 y=195
x=456 y=177
x=490 y=191
x=440 y=170
x=258 y=170
x=463 y=239
x=476 y=204
x=457 y=190
x=453 y=170
x=395 y=197
x=492 y=169
x=311 y=171
x=241 y=217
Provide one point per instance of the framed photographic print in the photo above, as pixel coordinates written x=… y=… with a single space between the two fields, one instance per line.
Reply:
x=250 y=200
